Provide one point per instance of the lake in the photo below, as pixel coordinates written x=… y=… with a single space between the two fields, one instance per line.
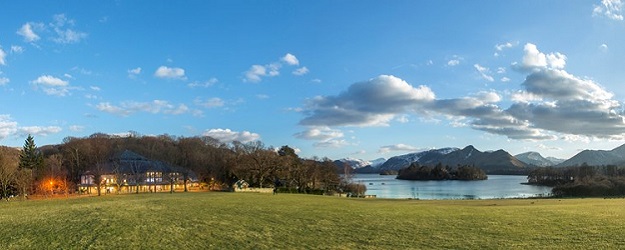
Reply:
x=496 y=187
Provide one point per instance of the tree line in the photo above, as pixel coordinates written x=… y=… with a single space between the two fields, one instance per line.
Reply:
x=581 y=181
x=464 y=172
x=58 y=168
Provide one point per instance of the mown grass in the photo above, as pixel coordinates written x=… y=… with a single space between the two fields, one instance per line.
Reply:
x=261 y=221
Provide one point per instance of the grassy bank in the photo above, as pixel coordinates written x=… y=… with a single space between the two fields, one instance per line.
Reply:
x=262 y=221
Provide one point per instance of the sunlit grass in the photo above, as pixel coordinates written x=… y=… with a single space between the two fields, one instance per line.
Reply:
x=261 y=221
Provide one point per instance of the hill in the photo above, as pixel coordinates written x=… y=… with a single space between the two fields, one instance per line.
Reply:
x=615 y=156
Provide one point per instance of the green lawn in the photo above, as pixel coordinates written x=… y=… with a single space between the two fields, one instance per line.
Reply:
x=285 y=221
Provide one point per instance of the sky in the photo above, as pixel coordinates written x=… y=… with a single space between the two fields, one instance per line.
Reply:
x=337 y=79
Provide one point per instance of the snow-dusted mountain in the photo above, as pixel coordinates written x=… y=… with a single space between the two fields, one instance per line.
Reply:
x=534 y=158
x=403 y=161
x=354 y=163
x=377 y=162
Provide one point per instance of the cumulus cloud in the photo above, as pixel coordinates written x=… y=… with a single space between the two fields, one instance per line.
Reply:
x=397 y=147
x=39 y=130
x=612 y=9
x=256 y=72
x=320 y=134
x=290 y=59
x=7 y=126
x=453 y=62
x=64 y=33
x=370 y=103
x=534 y=59
x=209 y=103
x=205 y=84
x=323 y=136
x=603 y=47
x=4 y=80
x=76 y=128
x=170 y=73
x=484 y=72
x=300 y=71
x=500 y=47
x=27 y=31
x=52 y=81
x=16 y=49
x=153 y=107
x=2 y=57
x=52 y=85
x=228 y=136
x=133 y=73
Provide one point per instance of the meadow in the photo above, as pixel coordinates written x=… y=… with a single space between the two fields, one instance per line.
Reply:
x=213 y=220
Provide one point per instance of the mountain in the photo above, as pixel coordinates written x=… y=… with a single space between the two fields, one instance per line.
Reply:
x=597 y=157
x=353 y=163
x=498 y=161
x=555 y=161
x=403 y=161
x=534 y=158
x=377 y=162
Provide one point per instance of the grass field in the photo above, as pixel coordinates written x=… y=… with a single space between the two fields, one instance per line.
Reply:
x=264 y=221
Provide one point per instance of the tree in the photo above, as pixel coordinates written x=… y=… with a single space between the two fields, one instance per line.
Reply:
x=8 y=171
x=30 y=158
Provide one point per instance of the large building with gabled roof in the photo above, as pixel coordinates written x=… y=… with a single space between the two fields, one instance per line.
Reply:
x=129 y=172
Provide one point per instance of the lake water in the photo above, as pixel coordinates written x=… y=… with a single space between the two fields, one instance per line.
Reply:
x=496 y=187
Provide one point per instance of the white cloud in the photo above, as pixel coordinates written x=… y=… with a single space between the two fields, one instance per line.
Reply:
x=171 y=73
x=228 y=136
x=7 y=126
x=255 y=73
x=534 y=59
x=2 y=57
x=504 y=79
x=95 y=88
x=484 y=72
x=52 y=85
x=500 y=47
x=453 y=62
x=397 y=147
x=301 y=71
x=153 y=107
x=320 y=134
x=17 y=49
x=290 y=59
x=331 y=144
x=603 y=47
x=65 y=35
x=39 y=130
x=205 y=84
x=370 y=103
x=209 y=103
x=612 y=9
x=28 y=33
x=50 y=81
x=132 y=73
x=4 y=81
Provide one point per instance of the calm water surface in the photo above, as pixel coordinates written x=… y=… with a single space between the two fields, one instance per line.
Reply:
x=497 y=186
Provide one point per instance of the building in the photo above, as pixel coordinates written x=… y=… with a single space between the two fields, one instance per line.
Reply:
x=129 y=172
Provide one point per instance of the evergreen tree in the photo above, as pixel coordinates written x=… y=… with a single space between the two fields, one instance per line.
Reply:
x=30 y=158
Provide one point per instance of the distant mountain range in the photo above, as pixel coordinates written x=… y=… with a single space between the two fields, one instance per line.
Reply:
x=491 y=162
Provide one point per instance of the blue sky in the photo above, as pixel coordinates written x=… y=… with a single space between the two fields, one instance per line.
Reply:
x=360 y=79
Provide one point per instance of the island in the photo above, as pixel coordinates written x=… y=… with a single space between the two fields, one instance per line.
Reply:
x=438 y=172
